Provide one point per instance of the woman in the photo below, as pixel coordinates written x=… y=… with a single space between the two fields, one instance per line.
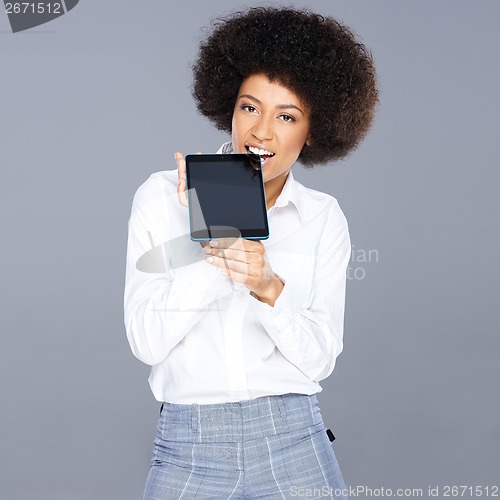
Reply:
x=239 y=333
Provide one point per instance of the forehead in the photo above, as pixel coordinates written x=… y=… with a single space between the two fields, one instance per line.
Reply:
x=260 y=87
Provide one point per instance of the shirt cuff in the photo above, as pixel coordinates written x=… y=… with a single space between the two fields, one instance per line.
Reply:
x=279 y=317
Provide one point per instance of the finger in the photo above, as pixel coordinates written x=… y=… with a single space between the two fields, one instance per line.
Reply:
x=232 y=267
x=229 y=242
x=181 y=165
x=219 y=248
x=234 y=254
x=239 y=244
x=181 y=193
x=199 y=153
x=235 y=276
x=181 y=174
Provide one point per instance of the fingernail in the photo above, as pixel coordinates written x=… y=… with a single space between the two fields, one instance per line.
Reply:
x=209 y=259
x=214 y=243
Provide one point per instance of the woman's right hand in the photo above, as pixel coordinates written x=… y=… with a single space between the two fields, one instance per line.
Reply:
x=181 y=187
x=181 y=174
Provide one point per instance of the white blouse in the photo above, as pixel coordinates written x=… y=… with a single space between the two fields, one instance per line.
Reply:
x=206 y=338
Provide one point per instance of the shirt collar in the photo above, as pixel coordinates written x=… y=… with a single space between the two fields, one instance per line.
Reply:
x=289 y=191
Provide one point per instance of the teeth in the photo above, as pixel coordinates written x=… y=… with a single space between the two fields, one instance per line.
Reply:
x=261 y=152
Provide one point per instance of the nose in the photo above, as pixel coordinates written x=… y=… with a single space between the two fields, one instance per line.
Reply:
x=263 y=129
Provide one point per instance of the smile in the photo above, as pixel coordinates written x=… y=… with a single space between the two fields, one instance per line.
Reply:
x=261 y=152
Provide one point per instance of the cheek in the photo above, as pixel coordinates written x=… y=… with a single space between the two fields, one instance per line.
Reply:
x=233 y=125
x=297 y=143
x=235 y=128
x=300 y=139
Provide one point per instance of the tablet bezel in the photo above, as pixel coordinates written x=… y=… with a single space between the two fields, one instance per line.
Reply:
x=220 y=232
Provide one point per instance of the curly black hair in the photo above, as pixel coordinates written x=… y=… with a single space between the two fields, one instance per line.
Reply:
x=315 y=57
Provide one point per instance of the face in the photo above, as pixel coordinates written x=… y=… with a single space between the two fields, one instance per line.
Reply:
x=270 y=120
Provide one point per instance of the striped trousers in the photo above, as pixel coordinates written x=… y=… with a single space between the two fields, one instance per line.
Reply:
x=272 y=447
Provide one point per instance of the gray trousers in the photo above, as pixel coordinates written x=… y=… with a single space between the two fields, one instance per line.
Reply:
x=271 y=447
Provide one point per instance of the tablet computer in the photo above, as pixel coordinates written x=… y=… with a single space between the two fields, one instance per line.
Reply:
x=226 y=196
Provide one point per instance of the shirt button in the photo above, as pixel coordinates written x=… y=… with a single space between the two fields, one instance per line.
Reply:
x=242 y=295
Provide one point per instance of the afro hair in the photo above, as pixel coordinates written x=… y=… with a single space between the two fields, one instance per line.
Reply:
x=316 y=57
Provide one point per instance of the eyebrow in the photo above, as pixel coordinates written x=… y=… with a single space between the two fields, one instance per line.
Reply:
x=279 y=106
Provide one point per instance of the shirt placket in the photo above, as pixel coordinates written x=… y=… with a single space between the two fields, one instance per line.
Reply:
x=233 y=337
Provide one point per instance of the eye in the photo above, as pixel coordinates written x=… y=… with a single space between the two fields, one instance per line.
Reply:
x=248 y=107
x=287 y=118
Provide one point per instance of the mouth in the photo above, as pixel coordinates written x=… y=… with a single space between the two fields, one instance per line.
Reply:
x=263 y=153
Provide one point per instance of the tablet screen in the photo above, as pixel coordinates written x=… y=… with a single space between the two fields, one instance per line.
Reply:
x=226 y=196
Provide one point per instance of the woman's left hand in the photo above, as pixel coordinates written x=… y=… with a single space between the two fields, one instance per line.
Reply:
x=245 y=261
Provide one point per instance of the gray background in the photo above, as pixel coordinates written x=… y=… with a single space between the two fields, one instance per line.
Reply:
x=95 y=101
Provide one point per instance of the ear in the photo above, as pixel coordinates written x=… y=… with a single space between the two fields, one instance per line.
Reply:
x=309 y=140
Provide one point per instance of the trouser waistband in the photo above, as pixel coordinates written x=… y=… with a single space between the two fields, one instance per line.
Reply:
x=238 y=421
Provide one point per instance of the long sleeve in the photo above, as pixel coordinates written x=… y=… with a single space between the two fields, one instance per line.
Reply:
x=206 y=338
x=161 y=304
x=311 y=337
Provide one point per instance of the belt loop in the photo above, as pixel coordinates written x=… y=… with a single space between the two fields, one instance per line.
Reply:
x=195 y=411
x=315 y=409
x=161 y=408
x=281 y=409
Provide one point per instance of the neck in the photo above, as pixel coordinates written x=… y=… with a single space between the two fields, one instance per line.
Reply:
x=274 y=188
